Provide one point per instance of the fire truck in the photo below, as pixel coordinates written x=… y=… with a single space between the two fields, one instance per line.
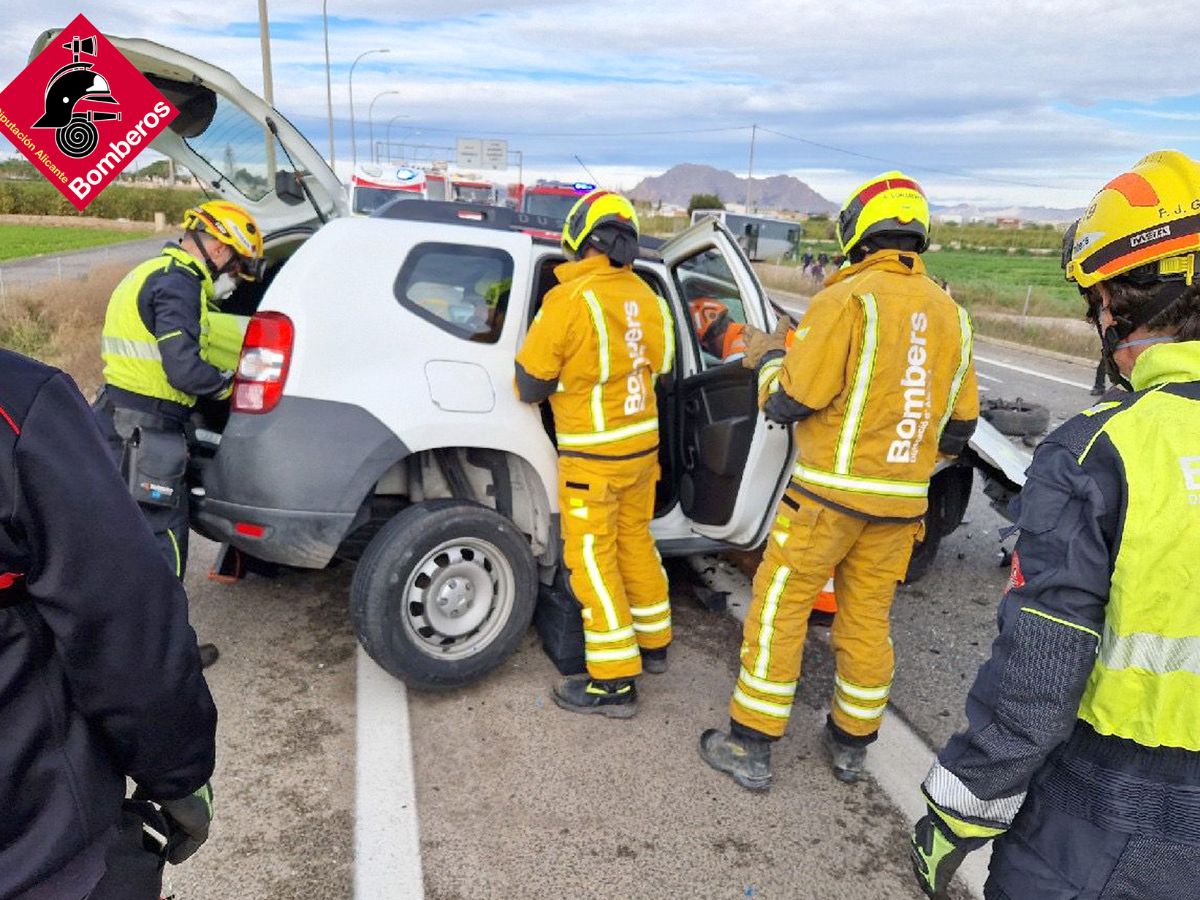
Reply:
x=552 y=199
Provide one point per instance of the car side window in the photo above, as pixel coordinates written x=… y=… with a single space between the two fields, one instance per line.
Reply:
x=715 y=306
x=462 y=290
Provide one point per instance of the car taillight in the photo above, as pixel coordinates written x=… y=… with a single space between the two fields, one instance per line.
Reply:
x=263 y=368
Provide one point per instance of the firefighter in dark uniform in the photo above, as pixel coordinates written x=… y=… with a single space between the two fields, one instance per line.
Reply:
x=1082 y=753
x=154 y=345
x=99 y=675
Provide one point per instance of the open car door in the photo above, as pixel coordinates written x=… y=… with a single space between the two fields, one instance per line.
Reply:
x=236 y=144
x=731 y=462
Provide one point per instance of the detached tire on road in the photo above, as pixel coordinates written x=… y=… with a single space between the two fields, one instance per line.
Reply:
x=443 y=593
x=1019 y=418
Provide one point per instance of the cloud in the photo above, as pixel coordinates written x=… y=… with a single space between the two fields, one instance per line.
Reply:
x=1021 y=101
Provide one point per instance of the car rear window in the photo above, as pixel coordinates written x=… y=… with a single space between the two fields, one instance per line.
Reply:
x=462 y=290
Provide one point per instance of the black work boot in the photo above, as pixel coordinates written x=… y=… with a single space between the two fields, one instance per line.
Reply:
x=209 y=654
x=654 y=661
x=615 y=699
x=849 y=761
x=746 y=760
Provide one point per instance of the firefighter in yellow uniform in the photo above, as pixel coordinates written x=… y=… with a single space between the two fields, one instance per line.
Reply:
x=878 y=382
x=595 y=350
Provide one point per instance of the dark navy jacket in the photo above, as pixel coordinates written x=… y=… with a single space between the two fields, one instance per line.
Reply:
x=99 y=674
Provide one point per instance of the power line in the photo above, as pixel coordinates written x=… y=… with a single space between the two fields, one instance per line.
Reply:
x=959 y=173
x=601 y=134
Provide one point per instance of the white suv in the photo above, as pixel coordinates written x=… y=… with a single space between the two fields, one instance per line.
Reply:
x=374 y=417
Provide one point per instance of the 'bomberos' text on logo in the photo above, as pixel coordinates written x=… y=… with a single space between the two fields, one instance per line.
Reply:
x=914 y=420
x=80 y=111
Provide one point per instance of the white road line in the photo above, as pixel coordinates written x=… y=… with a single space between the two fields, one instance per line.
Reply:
x=1034 y=372
x=898 y=761
x=988 y=377
x=387 y=848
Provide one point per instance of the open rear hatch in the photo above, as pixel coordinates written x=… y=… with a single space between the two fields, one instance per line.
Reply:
x=237 y=145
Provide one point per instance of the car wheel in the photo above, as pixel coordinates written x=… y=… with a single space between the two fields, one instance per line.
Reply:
x=443 y=593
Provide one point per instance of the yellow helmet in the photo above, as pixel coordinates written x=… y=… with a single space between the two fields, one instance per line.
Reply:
x=889 y=203
x=1146 y=219
x=231 y=225
x=603 y=210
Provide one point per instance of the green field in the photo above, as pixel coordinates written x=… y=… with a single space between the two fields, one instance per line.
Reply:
x=999 y=280
x=17 y=241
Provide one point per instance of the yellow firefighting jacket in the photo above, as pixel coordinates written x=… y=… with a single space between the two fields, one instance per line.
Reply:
x=595 y=349
x=879 y=366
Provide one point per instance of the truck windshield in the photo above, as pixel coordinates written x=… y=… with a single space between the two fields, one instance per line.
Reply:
x=369 y=199
x=554 y=206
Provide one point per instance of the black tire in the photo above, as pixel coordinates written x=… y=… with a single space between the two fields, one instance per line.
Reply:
x=924 y=553
x=1019 y=419
x=417 y=583
x=949 y=493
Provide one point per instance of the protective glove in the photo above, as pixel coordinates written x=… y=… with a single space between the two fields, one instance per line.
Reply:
x=188 y=818
x=759 y=343
x=937 y=852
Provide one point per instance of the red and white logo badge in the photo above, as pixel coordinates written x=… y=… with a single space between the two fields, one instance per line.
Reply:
x=81 y=112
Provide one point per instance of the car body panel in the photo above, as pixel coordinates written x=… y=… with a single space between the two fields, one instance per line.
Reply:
x=248 y=115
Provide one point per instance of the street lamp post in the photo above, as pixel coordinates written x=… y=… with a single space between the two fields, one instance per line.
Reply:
x=328 y=85
x=371 y=122
x=388 y=134
x=353 y=139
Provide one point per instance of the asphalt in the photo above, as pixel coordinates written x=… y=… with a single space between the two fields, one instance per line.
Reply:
x=516 y=798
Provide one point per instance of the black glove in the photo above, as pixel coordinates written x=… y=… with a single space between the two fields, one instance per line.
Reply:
x=188 y=818
x=782 y=409
x=937 y=852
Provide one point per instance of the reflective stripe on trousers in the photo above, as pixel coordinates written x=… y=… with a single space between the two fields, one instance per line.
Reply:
x=614 y=567
x=868 y=559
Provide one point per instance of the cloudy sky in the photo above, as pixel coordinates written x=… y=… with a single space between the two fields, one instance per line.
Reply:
x=1036 y=103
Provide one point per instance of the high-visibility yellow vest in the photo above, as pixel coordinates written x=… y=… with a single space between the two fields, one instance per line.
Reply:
x=132 y=360
x=1145 y=685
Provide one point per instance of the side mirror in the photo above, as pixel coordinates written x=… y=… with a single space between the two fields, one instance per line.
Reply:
x=287 y=187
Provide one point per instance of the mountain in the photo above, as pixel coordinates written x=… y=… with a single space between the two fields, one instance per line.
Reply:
x=1042 y=215
x=779 y=192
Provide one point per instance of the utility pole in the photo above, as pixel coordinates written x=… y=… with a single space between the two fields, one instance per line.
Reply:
x=750 y=168
x=328 y=86
x=264 y=35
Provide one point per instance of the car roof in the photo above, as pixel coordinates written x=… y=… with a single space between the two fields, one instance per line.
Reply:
x=542 y=229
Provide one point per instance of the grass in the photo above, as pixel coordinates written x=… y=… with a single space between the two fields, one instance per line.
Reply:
x=999 y=280
x=17 y=241
x=993 y=285
x=59 y=323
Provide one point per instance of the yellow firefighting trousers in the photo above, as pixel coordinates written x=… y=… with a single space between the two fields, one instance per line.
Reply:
x=807 y=540
x=615 y=570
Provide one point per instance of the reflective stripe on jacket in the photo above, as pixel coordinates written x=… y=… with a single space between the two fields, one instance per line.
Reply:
x=130 y=350
x=881 y=362
x=1146 y=682
x=604 y=337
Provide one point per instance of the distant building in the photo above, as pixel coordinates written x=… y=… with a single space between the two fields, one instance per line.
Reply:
x=1007 y=222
